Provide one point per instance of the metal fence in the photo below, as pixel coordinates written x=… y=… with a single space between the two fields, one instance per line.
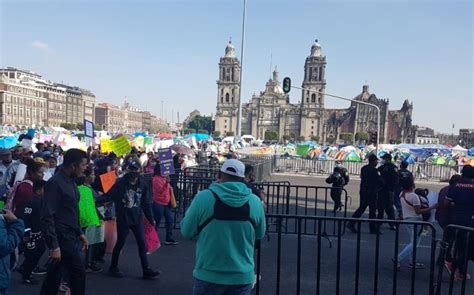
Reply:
x=293 y=164
x=457 y=249
x=304 y=265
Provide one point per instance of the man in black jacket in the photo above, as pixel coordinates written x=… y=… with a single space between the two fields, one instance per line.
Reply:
x=60 y=224
x=370 y=184
x=389 y=173
x=131 y=200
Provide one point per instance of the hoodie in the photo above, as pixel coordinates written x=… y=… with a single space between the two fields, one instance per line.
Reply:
x=224 y=248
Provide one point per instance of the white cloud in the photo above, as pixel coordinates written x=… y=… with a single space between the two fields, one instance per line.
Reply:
x=40 y=45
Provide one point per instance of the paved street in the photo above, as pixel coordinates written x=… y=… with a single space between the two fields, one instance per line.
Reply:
x=176 y=262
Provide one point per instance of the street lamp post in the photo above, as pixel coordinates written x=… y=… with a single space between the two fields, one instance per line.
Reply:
x=239 y=111
x=355 y=101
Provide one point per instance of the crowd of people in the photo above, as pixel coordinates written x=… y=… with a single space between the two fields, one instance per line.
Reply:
x=55 y=204
x=386 y=187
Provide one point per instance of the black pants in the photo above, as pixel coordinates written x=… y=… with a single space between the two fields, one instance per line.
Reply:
x=72 y=262
x=336 y=197
x=367 y=200
x=122 y=233
x=385 y=204
x=32 y=257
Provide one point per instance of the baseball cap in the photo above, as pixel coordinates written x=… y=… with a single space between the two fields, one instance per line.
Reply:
x=233 y=167
x=134 y=165
x=5 y=152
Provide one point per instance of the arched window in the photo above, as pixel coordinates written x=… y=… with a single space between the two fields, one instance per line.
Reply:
x=310 y=74
x=223 y=74
x=227 y=97
x=222 y=92
x=307 y=99
x=222 y=99
x=233 y=74
x=313 y=97
x=320 y=99
x=232 y=99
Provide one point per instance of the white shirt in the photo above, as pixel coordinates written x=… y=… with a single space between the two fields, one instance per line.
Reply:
x=408 y=202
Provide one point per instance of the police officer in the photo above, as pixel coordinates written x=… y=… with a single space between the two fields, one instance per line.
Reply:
x=385 y=201
x=370 y=184
x=404 y=176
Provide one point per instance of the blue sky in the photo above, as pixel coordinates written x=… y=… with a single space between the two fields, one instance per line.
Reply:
x=153 y=51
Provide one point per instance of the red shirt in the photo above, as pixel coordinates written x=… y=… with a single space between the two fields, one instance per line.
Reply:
x=23 y=194
x=161 y=190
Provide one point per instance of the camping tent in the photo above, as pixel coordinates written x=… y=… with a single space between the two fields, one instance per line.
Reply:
x=459 y=150
x=353 y=157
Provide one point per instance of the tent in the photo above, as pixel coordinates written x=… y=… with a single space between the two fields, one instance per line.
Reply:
x=353 y=157
x=200 y=136
x=459 y=150
x=410 y=159
x=439 y=161
x=302 y=150
x=470 y=152
x=8 y=142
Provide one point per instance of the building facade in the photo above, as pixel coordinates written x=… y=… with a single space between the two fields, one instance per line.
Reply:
x=272 y=110
x=26 y=99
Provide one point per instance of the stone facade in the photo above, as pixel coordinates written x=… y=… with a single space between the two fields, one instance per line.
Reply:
x=272 y=110
x=26 y=99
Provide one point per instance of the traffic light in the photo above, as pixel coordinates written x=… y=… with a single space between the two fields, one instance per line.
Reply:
x=286 y=85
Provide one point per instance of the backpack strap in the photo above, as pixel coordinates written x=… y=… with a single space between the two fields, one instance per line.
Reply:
x=217 y=215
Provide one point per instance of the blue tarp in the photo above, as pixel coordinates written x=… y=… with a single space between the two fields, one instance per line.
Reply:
x=200 y=136
x=8 y=142
x=470 y=152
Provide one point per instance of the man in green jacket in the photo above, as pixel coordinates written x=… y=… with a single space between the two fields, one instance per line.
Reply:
x=227 y=219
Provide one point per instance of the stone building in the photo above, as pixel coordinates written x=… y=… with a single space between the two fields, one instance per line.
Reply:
x=27 y=99
x=272 y=109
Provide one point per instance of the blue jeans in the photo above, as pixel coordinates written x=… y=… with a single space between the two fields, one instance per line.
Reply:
x=205 y=288
x=408 y=250
x=158 y=212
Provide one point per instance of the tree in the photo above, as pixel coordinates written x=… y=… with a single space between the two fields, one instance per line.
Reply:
x=68 y=126
x=300 y=138
x=229 y=133
x=80 y=126
x=216 y=134
x=286 y=137
x=187 y=131
x=346 y=137
x=315 y=138
x=362 y=136
x=201 y=123
x=271 y=135
x=204 y=131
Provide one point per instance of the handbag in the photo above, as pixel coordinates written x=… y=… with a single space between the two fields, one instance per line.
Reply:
x=152 y=241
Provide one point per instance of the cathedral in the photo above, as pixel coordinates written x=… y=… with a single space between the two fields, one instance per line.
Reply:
x=272 y=112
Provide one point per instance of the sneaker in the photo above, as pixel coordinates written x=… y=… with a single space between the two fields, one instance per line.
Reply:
x=171 y=242
x=449 y=267
x=93 y=268
x=150 y=274
x=30 y=281
x=417 y=265
x=39 y=270
x=459 y=277
x=352 y=228
x=115 y=272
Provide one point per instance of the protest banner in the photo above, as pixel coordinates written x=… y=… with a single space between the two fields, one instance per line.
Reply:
x=107 y=180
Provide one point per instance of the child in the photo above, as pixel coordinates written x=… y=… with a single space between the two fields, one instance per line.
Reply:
x=33 y=242
x=89 y=218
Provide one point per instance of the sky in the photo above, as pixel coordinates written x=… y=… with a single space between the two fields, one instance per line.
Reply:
x=149 y=52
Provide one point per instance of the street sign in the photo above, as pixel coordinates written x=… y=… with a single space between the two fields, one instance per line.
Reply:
x=166 y=161
x=88 y=129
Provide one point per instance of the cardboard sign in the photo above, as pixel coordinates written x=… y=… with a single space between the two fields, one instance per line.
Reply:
x=121 y=146
x=88 y=129
x=107 y=180
x=166 y=161
x=105 y=145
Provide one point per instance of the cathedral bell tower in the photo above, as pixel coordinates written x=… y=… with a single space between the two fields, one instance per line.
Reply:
x=312 y=96
x=228 y=90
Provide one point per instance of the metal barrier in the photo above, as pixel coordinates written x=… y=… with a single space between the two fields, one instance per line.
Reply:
x=457 y=248
x=302 y=265
x=295 y=164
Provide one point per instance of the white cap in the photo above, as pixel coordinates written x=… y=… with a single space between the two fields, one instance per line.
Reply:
x=233 y=167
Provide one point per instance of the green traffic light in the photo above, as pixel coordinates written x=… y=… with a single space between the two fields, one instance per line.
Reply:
x=286 y=85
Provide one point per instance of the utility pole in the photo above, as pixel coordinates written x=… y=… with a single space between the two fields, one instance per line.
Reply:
x=239 y=112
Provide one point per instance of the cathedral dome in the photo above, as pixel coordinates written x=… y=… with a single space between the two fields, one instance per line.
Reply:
x=316 y=49
x=230 y=49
